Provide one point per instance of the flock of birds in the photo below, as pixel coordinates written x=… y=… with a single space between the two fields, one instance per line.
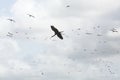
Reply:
x=60 y=35
x=55 y=30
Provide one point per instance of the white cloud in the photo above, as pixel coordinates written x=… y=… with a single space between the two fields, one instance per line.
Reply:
x=3 y=71
x=30 y=51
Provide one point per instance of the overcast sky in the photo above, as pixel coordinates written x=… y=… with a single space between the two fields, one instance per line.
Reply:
x=90 y=49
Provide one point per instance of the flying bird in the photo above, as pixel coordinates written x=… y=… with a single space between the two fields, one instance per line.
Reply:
x=99 y=34
x=10 y=34
x=57 y=32
x=88 y=33
x=78 y=29
x=31 y=15
x=11 y=20
x=68 y=6
x=114 y=30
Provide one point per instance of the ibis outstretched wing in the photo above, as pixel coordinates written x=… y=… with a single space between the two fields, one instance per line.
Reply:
x=60 y=36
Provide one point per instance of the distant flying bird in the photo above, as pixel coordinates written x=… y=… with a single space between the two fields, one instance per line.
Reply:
x=68 y=6
x=10 y=34
x=99 y=34
x=11 y=20
x=57 y=32
x=30 y=27
x=31 y=15
x=42 y=73
x=98 y=26
x=88 y=33
x=114 y=30
x=78 y=29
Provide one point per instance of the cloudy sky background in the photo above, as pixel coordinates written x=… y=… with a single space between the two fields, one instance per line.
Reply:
x=91 y=53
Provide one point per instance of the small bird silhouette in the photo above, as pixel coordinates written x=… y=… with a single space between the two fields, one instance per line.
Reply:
x=78 y=29
x=11 y=20
x=31 y=15
x=10 y=34
x=68 y=6
x=88 y=33
x=57 y=32
x=99 y=34
x=114 y=30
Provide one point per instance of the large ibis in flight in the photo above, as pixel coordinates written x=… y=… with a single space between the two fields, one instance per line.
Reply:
x=57 y=32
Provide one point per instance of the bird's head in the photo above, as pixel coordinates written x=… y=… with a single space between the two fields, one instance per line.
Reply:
x=52 y=26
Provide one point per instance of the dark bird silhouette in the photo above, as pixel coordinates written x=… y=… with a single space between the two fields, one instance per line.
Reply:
x=11 y=20
x=68 y=6
x=31 y=15
x=57 y=32
x=114 y=30
x=88 y=33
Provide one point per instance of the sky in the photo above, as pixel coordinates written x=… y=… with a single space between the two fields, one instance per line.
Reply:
x=89 y=50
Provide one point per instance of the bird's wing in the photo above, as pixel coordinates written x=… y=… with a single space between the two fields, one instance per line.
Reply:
x=28 y=14
x=11 y=20
x=31 y=15
x=60 y=36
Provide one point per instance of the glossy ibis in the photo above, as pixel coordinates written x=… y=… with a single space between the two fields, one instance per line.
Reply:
x=57 y=32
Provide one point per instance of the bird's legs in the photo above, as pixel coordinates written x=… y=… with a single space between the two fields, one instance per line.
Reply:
x=52 y=36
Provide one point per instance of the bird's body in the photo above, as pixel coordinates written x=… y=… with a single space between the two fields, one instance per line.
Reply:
x=88 y=33
x=10 y=34
x=31 y=15
x=11 y=20
x=68 y=6
x=57 y=32
x=114 y=30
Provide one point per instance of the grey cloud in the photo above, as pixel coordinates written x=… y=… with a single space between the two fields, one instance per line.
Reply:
x=114 y=15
